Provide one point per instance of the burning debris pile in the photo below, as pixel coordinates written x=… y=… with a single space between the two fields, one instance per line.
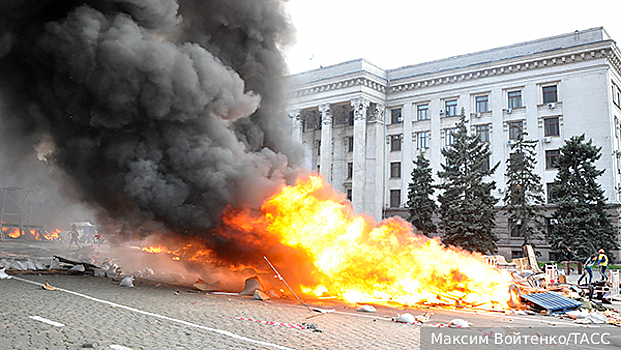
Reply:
x=38 y=234
x=359 y=260
x=325 y=250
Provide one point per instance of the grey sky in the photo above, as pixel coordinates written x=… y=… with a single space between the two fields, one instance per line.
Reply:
x=395 y=33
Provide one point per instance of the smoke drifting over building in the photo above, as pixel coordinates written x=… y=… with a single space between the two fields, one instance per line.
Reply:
x=167 y=111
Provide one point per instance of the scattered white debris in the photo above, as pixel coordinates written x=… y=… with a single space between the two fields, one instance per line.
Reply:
x=259 y=295
x=323 y=311
x=17 y=265
x=3 y=275
x=577 y=314
x=54 y=264
x=366 y=308
x=127 y=281
x=406 y=318
x=79 y=268
x=592 y=318
x=39 y=266
x=458 y=322
x=119 y=347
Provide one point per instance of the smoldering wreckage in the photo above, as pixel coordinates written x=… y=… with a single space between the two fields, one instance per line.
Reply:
x=532 y=292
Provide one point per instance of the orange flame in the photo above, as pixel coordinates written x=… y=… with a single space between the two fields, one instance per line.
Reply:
x=34 y=234
x=54 y=235
x=358 y=260
x=12 y=232
x=155 y=249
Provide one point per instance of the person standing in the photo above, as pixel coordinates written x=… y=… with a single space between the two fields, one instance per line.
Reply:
x=73 y=234
x=602 y=262
x=588 y=269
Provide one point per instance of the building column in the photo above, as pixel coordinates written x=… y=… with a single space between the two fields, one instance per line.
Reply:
x=325 y=165
x=360 y=106
x=296 y=125
x=408 y=154
x=376 y=149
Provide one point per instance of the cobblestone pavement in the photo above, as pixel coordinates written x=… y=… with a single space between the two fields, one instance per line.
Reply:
x=95 y=312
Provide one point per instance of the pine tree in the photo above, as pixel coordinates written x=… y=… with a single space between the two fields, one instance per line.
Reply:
x=466 y=203
x=524 y=198
x=421 y=206
x=582 y=221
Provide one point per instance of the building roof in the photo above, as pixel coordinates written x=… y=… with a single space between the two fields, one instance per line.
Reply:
x=563 y=41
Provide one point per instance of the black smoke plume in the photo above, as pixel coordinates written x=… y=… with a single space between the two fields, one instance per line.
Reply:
x=151 y=111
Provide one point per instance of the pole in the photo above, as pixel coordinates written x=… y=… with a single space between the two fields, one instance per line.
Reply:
x=285 y=282
x=2 y=215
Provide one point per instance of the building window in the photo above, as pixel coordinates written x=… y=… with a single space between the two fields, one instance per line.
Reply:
x=318 y=148
x=350 y=144
x=515 y=228
x=422 y=112
x=395 y=198
x=395 y=143
x=395 y=116
x=515 y=99
x=395 y=170
x=516 y=254
x=551 y=126
x=549 y=225
x=486 y=165
x=422 y=139
x=350 y=170
x=550 y=190
x=483 y=132
x=449 y=136
x=482 y=103
x=552 y=158
x=351 y=118
x=349 y=196
x=550 y=94
x=515 y=131
x=451 y=108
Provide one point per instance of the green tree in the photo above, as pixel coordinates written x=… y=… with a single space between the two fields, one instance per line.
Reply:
x=524 y=198
x=421 y=206
x=466 y=203
x=582 y=221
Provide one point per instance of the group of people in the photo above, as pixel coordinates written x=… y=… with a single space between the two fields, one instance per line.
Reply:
x=600 y=260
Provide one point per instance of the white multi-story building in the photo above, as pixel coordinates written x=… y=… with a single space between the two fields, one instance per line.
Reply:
x=363 y=125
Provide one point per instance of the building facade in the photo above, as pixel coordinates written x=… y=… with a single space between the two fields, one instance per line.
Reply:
x=363 y=125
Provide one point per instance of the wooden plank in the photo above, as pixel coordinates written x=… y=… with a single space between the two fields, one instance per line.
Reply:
x=87 y=266
x=532 y=260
